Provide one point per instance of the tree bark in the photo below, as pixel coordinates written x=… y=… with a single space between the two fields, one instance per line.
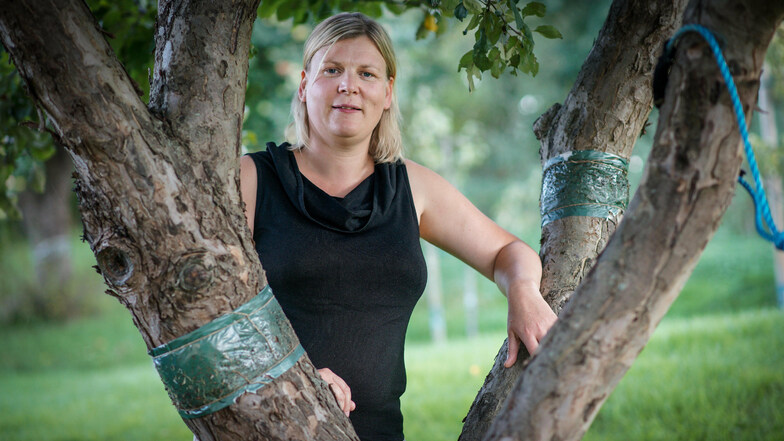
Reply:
x=158 y=189
x=606 y=110
x=688 y=184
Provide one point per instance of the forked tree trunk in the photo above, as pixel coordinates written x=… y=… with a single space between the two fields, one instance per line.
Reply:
x=688 y=184
x=158 y=189
x=605 y=111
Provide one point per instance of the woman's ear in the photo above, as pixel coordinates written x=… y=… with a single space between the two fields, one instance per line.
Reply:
x=390 y=85
x=302 y=83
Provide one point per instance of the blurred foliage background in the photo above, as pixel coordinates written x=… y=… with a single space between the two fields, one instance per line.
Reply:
x=75 y=368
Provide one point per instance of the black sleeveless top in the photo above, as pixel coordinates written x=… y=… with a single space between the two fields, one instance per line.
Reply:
x=347 y=272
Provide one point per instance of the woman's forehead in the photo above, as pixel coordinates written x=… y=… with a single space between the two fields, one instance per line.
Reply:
x=356 y=50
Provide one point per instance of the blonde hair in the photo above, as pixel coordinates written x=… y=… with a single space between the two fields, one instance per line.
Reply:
x=385 y=142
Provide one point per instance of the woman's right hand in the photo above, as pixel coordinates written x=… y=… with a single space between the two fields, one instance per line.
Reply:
x=339 y=389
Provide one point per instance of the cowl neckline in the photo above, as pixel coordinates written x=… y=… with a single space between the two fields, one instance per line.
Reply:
x=359 y=210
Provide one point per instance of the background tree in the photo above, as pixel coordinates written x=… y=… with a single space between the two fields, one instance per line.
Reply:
x=39 y=172
x=767 y=143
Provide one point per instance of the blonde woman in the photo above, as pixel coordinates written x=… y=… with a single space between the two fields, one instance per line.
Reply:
x=337 y=216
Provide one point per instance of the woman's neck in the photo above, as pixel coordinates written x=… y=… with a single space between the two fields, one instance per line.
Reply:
x=336 y=171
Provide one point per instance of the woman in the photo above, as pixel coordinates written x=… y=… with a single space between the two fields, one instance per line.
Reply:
x=337 y=217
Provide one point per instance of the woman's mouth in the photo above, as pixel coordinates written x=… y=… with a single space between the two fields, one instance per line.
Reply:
x=346 y=107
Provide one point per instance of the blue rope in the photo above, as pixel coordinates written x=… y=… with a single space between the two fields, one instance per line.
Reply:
x=761 y=207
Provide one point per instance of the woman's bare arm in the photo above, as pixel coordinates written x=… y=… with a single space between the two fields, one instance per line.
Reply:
x=450 y=221
x=248 y=185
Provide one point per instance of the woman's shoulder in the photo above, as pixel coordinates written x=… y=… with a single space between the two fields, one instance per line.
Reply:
x=428 y=188
x=423 y=177
x=252 y=164
x=265 y=158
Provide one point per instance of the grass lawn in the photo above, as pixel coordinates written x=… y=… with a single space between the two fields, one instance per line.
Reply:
x=713 y=370
x=713 y=378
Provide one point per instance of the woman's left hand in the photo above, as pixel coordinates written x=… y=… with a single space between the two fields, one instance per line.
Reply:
x=529 y=318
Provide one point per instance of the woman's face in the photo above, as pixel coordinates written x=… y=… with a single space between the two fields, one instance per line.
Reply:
x=345 y=91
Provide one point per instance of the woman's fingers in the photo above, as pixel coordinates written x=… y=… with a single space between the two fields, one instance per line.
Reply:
x=513 y=347
x=339 y=389
x=531 y=343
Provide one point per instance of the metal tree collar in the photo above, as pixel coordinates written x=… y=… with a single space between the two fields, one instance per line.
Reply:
x=207 y=369
x=584 y=183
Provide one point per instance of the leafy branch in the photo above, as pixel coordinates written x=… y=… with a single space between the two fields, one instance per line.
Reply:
x=503 y=41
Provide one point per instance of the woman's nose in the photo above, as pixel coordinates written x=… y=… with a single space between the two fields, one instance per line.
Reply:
x=347 y=84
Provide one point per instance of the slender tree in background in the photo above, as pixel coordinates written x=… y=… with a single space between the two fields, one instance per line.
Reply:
x=158 y=189
x=773 y=183
x=452 y=151
x=46 y=217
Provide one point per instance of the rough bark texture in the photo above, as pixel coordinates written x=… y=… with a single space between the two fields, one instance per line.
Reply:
x=158 y=189
x=605 y=111
x=688 y=184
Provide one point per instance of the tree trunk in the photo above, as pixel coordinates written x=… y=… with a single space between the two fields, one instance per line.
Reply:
x=158 y=189
x=46 y=218
x=159 y=194
x=688 y=184
x=773 y=184
x=605 y=111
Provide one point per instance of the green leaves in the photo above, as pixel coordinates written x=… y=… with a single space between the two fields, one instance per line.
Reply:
x=534 y=8
x=548 y=31
x=128 y=25
x=317 y=10
x=473 y=6
x=22 y=149
x=503 y=41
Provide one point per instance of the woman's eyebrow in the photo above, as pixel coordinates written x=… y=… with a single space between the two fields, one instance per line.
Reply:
x=340 y=64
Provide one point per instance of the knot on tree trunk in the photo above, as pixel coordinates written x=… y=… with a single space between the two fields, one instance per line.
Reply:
x=115 y=264
x=195 y=272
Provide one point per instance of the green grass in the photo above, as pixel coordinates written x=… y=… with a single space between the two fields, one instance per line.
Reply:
x=94 y=343
x=713 y=378
x=709 y=378
x=118 y=403
x=442 y=382
x=714 y=370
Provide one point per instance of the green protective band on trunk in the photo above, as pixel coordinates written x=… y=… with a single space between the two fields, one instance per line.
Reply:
x=209 y=368
x=584 y=183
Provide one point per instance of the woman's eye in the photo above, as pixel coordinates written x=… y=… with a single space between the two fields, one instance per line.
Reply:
x=367 y=75
x=331 y=70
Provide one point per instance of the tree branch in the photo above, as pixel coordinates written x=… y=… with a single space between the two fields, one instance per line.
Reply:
x=201 y=70
x=72 y=79
x=604 y=111
x=160 y=199
x=688 y=185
